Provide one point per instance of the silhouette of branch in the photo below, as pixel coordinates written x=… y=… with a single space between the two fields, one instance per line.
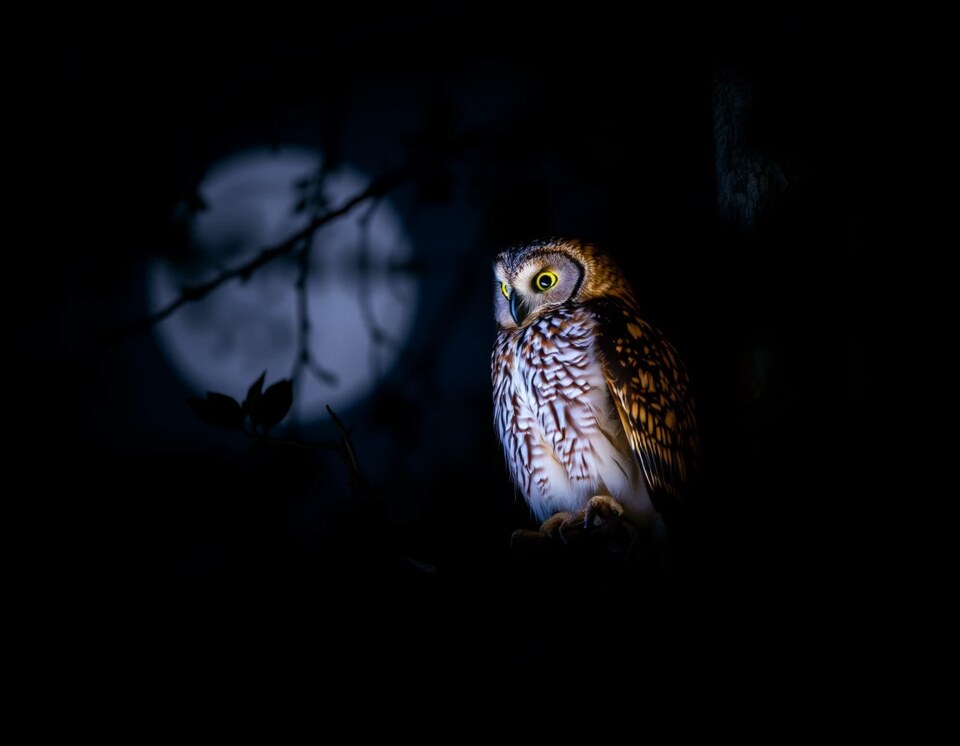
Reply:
x=379 y=187
x=305 y=358
x=378 y=335
x=349 y=455
x=343 y=448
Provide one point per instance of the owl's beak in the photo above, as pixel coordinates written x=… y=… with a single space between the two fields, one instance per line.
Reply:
x=517 y=309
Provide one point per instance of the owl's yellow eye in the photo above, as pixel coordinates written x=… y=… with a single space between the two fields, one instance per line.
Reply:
x=545 y=280
x=505 y=290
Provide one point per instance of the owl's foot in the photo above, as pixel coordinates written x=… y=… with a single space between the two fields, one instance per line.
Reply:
x=523 y=540
x=601 y=511
x=603 y=518
x=601 y=507
x=557 y=525
x=564 y=527
x=607 y=513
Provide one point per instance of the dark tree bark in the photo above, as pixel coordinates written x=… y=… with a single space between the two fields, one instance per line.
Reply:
x=748 y=181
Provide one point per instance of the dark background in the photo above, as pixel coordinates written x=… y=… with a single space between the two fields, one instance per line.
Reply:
x=642 y=136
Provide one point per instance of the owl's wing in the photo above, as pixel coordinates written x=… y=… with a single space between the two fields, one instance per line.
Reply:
x=650 y=388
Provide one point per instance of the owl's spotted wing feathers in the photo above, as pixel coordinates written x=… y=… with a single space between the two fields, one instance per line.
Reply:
x=649 y=385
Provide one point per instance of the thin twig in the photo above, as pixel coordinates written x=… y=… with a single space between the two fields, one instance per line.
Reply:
x=349 y=456
x=378 y=335
x=303 y=310
x=345 y=438
x=305 y=357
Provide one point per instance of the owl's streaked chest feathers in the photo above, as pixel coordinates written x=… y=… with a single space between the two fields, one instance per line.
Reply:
x=562 y=437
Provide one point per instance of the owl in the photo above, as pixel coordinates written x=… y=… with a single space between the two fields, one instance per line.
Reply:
x=591 y=403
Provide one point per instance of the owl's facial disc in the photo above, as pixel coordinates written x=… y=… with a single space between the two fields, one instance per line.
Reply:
x=544 y=280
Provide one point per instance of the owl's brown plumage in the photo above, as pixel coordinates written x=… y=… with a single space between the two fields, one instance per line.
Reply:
x=589 y=399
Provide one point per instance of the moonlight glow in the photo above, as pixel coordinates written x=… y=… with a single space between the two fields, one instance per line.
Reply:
x=361 y=302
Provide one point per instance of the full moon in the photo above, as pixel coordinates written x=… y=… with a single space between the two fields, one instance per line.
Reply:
x=361 y=299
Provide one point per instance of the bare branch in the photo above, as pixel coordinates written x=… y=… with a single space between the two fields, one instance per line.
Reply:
x=378 y=335
x=377 y=188
x=305 y=357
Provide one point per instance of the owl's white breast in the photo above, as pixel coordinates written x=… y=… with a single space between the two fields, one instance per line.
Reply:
x=562 y=438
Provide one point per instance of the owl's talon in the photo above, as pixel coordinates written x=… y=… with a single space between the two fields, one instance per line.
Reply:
x=568 y=527
x=553 y=527
x=612 y=522
x=523 y=539
x=603 y=507
x=602 y=513
x=572 y=528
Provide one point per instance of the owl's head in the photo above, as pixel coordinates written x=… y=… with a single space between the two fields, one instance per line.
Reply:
x=536 y=278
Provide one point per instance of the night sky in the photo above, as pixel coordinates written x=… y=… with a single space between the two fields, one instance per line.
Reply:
x=725 y=161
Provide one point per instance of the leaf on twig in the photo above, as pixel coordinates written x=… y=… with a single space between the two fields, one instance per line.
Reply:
x=273 y=404
x=254 y=394
x=218 y=409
